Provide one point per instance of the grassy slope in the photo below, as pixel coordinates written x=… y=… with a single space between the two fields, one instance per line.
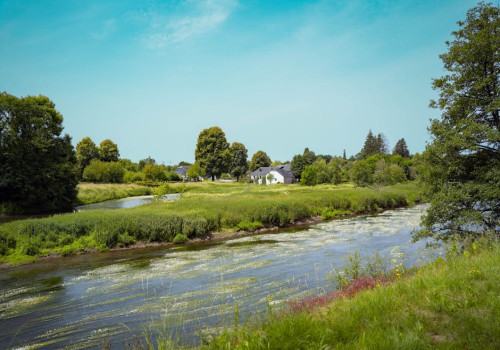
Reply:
x=89 y=193
x=449 y=304
x=204 y=208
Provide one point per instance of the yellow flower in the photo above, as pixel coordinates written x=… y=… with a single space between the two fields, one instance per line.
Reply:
x=394 y=260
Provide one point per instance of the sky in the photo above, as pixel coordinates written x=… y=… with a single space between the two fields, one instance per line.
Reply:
x=277 y=76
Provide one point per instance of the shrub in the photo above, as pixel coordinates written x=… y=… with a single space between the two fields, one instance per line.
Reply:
x=172 y=176
x=109 y=172
x=309 y=176
x=251 y=226
x=180 y=238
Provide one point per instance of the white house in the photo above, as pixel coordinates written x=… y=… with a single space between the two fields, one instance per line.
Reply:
x=273 y=175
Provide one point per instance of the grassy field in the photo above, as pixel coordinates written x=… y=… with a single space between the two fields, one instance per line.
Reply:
x=89 y=193
x=448 y=304
x=203 y=209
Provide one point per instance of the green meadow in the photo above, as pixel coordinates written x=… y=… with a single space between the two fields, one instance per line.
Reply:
x=203 y=209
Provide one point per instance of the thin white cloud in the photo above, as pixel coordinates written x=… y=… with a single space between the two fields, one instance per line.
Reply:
x=108 y=27
x=167 y=26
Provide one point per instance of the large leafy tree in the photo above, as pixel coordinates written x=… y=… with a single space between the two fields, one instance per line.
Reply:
x=300 y=161
x=239 y=162
x=38 y=169
x=108 y=151
x=401 y=149
x=86 y=150
x=212 y=152
x=461 y=175
x=259 y=159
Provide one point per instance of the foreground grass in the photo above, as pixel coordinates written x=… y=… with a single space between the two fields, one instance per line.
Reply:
x=448 y=304
x=89 y=193
x=203 y=209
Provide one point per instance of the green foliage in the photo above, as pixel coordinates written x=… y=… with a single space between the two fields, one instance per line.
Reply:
x=299 y=162
x=259 y=159
x=180 y=238
x=309 y=176
x=86 y=150
x=362 y=173
x=108 y=151
x=250 y=226
x=38 y=168
x=195 y=172
x=172 y=176
x=461 y=170
x=132 y=176
x=401 y=149
x=239 y=162
x=386 y=174
x=104 y=172
x=128 y=165
x=154 y=173
x=212 y=152
x=373 y=145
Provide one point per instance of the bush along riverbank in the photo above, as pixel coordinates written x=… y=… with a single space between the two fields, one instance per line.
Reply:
x=204 y=209
x=447 y=304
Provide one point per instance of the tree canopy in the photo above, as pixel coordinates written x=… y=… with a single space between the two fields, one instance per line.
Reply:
x=461 y=175
x=259 y=159
x=212 y=152
x=239 y=162
x=86 y=150
x=38 y=168
x=373 y=145
x=401 y=149
x=108 y=151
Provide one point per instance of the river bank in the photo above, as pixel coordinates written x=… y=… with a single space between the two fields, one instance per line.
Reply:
x=204 y=211
x=79 y=300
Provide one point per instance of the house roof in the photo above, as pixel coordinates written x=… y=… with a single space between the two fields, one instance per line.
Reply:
x=284 y=170
x=182 y=170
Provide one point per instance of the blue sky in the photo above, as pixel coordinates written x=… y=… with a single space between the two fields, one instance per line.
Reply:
x=277 y=76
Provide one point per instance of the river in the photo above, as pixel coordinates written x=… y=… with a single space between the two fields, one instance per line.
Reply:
x=184 y=290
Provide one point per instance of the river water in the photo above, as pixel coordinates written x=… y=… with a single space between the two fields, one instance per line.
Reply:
x=184 y=291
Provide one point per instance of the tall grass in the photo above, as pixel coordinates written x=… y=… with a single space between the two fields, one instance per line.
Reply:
x=203 y=209
x=89 y=193
x=447 y=304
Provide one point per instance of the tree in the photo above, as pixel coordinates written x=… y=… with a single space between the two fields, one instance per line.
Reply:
x=105 y=172
x=309 y=176
x=461 y=175
x=86 y=150
x=154 y=172
x=239 y=162
x=108 y=151
x=145 y=161
x=38 y=168
x=373 y=145
x=212 y=152
x=195 y=172
x=259 y=159
x=299 y=162
x=401 y=149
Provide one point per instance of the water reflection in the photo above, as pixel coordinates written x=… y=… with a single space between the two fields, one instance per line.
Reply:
x=124 y=203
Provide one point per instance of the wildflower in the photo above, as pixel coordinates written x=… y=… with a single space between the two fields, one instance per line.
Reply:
x=400 y=264
x=394 y=260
